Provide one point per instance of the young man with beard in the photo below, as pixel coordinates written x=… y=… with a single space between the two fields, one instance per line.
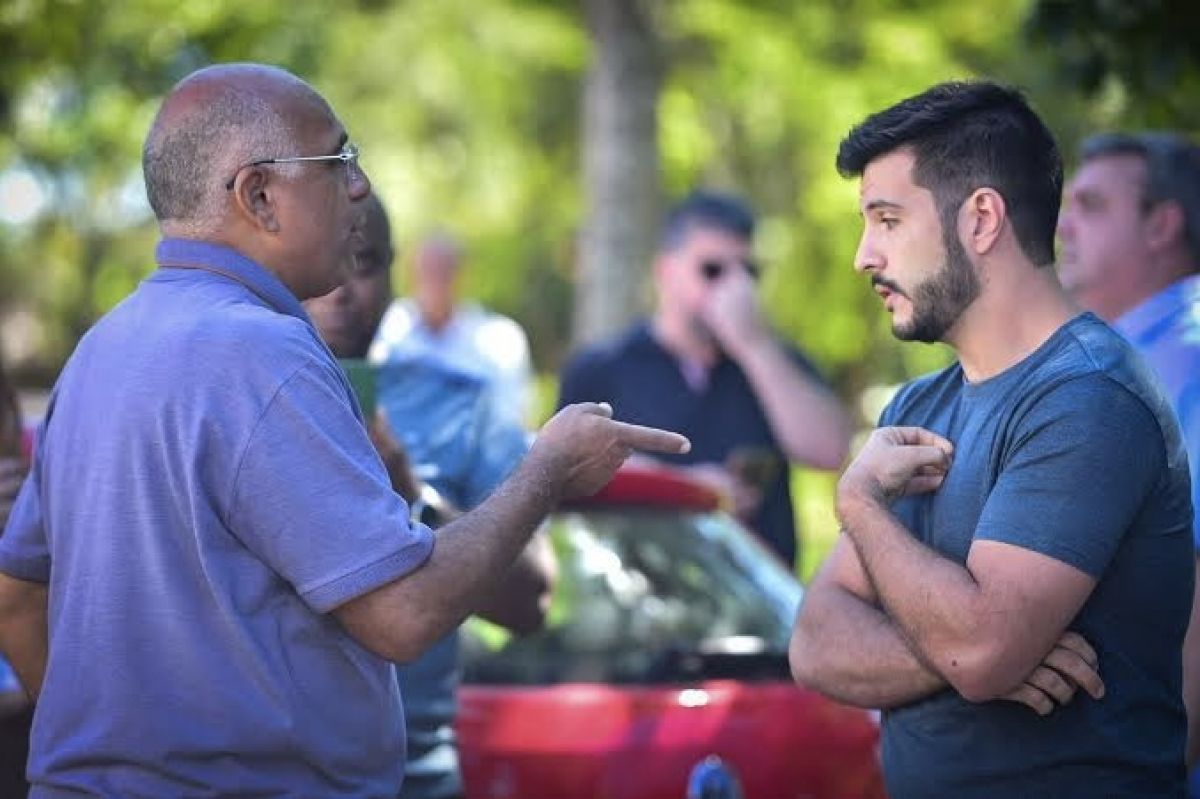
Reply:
x=1019 y=526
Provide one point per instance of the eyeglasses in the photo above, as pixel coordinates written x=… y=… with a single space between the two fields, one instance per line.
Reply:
x=348 y=155
x=712 y=269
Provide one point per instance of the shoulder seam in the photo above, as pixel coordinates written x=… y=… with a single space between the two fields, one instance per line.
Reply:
x=241 y=458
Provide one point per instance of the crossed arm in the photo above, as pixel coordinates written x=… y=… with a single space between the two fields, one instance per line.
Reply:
x=889 y=620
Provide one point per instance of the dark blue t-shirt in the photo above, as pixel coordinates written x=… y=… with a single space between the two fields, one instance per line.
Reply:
x=1073 y=453
x=645 y=385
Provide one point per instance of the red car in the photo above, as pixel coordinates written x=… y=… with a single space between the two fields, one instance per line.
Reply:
x=665 y=650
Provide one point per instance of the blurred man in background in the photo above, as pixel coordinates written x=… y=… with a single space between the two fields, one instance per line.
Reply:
x=1130 y=234
x=708 y=363
x=436 y=322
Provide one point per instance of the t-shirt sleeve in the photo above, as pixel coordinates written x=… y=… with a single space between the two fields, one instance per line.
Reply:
x=313 y=501
x=24 y=549
x=1083 y=460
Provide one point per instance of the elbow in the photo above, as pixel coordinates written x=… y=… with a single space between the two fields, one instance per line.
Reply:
x=833 y=455
x=979 y=673
x=827 y=451
x=802 y=660
x=407 y=645
x=528 y=618
x=387 y=635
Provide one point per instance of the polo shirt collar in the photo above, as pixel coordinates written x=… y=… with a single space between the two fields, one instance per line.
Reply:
x=230 y=264
x=1142 y=323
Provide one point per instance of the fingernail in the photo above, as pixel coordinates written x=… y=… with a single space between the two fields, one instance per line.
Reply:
x=686 y=447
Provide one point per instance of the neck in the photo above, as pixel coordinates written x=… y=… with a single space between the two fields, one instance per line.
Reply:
x=1017 y=310
x=682 y=340
x=1167 y=269
x=435 y=317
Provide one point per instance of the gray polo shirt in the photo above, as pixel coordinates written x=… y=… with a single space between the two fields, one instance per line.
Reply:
x=203 y=493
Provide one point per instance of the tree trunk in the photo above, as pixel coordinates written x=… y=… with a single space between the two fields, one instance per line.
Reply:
x=620 y=166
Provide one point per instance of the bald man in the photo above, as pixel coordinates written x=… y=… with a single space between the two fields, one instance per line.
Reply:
x=206 y=577
x=436 y=323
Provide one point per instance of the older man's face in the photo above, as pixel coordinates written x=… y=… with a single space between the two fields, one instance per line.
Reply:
x=319 y=202
x=1103 y=233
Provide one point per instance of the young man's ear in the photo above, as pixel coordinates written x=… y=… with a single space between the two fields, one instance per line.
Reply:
x=254 y=198
x=982 y=219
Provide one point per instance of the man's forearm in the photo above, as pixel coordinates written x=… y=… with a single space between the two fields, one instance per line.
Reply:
x=849 y=650
x=806 y=417
x=470 y=557
x=23 y=630
x=935 y=602
x=521 y=598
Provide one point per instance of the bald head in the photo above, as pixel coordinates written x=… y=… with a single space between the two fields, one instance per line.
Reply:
x=212 y=122
x=436 y=264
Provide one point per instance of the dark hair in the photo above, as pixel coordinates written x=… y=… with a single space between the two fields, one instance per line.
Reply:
x=1172 y=171
x=710 y=210
x=964 y=136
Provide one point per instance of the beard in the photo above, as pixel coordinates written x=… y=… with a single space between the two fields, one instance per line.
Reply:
x=939 y=301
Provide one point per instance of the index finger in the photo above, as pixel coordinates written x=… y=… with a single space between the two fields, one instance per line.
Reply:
x=651 y=439
x=922 y=437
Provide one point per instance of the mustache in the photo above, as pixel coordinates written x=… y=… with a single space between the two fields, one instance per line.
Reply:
x=891 y=286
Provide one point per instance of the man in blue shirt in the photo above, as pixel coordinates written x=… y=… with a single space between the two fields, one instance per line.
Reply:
x=456 y=442
x=708 y=364
x=207 y=576
x=1130 y=236
x=1019 y=527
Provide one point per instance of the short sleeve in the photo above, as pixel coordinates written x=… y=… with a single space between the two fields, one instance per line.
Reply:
x=1083 y=460
x=312 y=500
x=24 y=548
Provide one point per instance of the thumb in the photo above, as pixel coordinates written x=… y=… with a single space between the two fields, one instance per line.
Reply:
x=595 y=408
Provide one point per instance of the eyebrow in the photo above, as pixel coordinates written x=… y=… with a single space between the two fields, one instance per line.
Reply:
x=341 y=142
x=875 y=205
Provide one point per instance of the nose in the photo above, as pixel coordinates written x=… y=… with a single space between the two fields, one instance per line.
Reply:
x=1066 y=225
x=360 y=184
x=867 y=257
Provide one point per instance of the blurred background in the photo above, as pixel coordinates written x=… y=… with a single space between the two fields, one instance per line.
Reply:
x=548 y=135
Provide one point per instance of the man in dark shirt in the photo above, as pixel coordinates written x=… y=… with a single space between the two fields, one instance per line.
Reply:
x=708 y=362
x=1023 y=503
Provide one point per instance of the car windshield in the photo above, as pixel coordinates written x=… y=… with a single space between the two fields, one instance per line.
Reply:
x=648 y=596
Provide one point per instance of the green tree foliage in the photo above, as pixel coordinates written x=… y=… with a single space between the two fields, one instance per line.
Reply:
x=1140 y=58
x=469 y=117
